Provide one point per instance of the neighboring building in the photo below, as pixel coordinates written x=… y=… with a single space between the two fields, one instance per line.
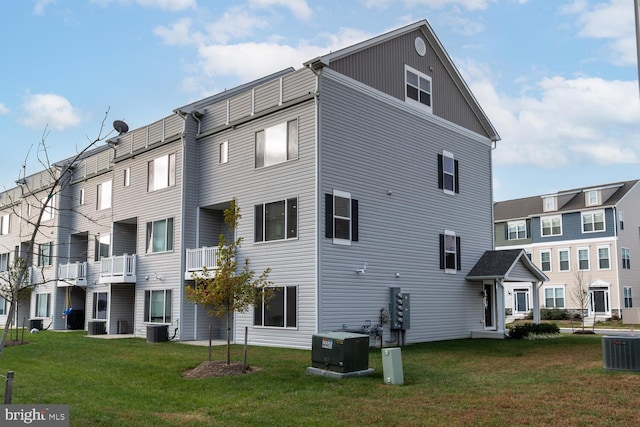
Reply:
x=368 y=169
x=585 y=235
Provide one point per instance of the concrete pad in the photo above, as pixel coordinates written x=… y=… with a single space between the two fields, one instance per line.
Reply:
x=339 y=375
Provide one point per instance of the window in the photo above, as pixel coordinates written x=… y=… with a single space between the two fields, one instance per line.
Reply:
x=277 y=220
x=545 y=260
x=563 y=258
x=44 y=254
x=621 y=219
x=592 y=221
x=448 y=173
x=603 y=258
x=160 y=235
x=81 y=197
x=47 y=207
x=583 y=258
x=126 y=176
x=450 y=252
x=224 y=152
x=5 y=224
x=161 y=172
x=157 y=306
x=104 y=195
x=551 y=226
x=626 y=258
x=592 y=198
x=3 y=306
x=418 y=89
x=628 y=299
x=554 y=297
x=42 y=305
x=100 y=302
x=4 y=262
x=103 y=246
x=280 y=311
x=341 y=217
x=277 y=144
x=517 y=230
x=549 y=203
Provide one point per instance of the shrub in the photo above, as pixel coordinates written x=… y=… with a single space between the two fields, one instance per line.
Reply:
x=554 y=314
x=531 y=329
x=577 y=316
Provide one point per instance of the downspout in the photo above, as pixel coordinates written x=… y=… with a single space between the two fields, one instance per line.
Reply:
x=616 y=224
x=183 y=115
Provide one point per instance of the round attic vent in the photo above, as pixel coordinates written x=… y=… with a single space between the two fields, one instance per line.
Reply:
x=420 y=46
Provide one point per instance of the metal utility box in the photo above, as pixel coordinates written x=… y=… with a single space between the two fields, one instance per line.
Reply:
x=399 y=303
x=621 y=353
x=97 y=328
x=340 y=351
x=392 y=366
x=157 y=333
x=35 y=324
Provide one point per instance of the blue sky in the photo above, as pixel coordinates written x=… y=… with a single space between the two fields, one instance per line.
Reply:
x=557 y=78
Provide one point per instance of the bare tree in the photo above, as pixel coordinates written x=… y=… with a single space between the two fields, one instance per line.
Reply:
x=581 y=294
x=52 y=181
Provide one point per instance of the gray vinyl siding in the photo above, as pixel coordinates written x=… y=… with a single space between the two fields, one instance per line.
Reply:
x=267 y=96
x=572 y=227
x=121 y=307
x=382 y=67
x=629 y=238
x=502 y=238
x=292 y=261
x=368 y=147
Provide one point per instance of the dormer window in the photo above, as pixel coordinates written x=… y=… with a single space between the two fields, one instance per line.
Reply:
x=549 y=203
x=592 y=198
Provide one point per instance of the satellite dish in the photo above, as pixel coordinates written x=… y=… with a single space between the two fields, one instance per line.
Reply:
x=120 y=126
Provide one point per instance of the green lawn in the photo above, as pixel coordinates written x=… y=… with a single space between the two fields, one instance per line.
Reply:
x=127 y=382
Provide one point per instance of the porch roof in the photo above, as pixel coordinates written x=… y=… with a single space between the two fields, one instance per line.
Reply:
x=512 y=265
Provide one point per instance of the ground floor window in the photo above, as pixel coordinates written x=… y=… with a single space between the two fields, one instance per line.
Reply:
x=554 y=297
x=280 y=311
x=42 y=305
x=100 y=305
x=157 y=306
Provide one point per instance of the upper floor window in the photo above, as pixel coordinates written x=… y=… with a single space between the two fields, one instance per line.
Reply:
x=551 y=226
x=448 y=173
x=341 y=217
x=160 y=235
x=47 y=207
x=4 y=262
x=81 y=199
x=161 y=172
x=621 y=219
x=104 y=195
x=277 y=144
x=224 y=152
x=563 y=259
x=103 y=246
x=126 y=177
x=517 y=230
x=280 y=311
x=545 y=260
x=450 y=256
x=592 y=221
x=626 y=258
x=592 y=198
x=418 y=89
x=44 y=254
x=604 y=262
x=276 y=221
x=583 y=258
x=628 y=300
x=5 y=224
x=549 y=203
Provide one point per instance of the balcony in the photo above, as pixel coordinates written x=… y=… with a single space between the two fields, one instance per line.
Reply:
x=118 y=269
x=198 y=259
x=72 y=274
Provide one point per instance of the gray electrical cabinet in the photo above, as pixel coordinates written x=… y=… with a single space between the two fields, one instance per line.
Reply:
x=392 y=366
x=399 y=303
x=340 y=351
x=621 y=353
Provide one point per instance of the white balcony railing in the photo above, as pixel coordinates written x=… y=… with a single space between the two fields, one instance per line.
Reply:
x=196 y=259
x=118 y=269
x=73 y=273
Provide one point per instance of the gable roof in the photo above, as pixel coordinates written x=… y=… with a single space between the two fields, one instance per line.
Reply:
x=512 y=265
x=442 y=54
x=534 y=205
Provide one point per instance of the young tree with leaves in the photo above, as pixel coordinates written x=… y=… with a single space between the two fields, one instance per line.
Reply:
x=229 y=289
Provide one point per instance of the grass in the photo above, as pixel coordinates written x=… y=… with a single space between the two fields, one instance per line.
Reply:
x=463 y=382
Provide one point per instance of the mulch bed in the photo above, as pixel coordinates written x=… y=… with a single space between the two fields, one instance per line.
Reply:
x=217 y=368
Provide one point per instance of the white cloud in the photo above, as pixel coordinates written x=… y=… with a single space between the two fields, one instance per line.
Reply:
x=49 y=110
x=434 y=4
x=171 y=5
x=177 y=33
x=235 y=23
x=3 y=109
x=299 y=8
x=38 y=8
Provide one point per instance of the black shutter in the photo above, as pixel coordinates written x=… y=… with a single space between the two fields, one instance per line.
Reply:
x=528 y=223
x=440 y=179
x=456 y=175
x=442 y=252
x=354 y=220
x=458 y=254
x=328 y=215
x=506 y=231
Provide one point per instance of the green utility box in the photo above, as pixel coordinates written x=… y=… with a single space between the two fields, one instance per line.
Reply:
x=392 y=366
x=340 y=351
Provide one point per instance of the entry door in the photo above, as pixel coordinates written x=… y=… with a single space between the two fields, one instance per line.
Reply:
x=489 y=298
x=600 y=301
x=521 y=300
